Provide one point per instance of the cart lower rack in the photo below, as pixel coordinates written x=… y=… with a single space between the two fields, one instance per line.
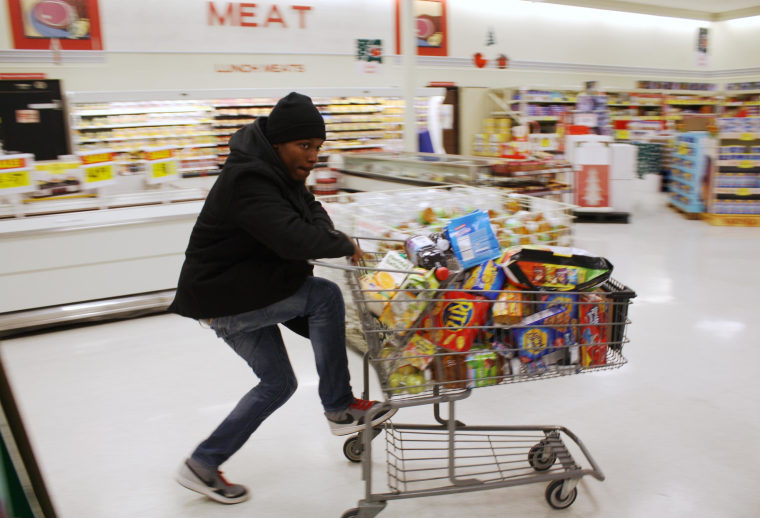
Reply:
x=433 y=343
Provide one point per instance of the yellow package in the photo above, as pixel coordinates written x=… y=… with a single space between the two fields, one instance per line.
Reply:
x=511 y=306
x=407 y=304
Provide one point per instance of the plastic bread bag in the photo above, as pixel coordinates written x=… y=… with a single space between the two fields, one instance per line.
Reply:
x=554 y=268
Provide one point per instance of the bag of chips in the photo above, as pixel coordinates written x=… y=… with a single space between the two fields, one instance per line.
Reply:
x=554 y=268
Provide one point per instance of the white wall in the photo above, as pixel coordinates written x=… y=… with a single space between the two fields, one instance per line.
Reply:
x=736 y=43
x=559 y=33
x=615 y=49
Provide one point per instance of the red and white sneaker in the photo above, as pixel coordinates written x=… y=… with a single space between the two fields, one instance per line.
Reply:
x=351 y=420
x=213 y=485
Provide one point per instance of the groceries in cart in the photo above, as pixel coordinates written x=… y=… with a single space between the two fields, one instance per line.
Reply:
x=502 y=313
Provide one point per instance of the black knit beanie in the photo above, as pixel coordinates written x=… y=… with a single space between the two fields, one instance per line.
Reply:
x=294 y=117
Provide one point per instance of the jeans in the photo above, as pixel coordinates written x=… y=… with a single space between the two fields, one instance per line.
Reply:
x=256 y=337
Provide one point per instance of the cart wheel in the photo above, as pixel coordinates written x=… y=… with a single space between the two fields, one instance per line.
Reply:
x=541 y=457
x=553 y=492
x=353 y=448
x=351 y=513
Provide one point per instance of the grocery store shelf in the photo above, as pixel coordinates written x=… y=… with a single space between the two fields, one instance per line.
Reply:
x=143 y=124
x=137 y=111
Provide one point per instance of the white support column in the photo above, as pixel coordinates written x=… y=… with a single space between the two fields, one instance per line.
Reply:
x=408 y=63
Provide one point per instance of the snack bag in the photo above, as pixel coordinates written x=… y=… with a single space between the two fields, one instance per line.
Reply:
x=419 y=352
x=381 y=280
x=533 y=339
x=472 y=239
x=592 y=335
x=482 y=368
x=511 y=306
x=457 y=314
x=407 y=304
x=554 y=268
x=488 y=278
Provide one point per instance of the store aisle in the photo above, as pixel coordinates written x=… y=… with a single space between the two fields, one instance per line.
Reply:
x=113 y=409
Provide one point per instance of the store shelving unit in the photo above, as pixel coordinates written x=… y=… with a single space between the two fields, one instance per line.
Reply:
x=200 y=123
x=689 y=168
x=542 y=110
x=130 y=127
x=635 y=114
x=734 y=197
x=744 y=102
x=678 y=103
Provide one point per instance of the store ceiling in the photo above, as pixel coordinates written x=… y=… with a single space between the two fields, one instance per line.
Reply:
x=714 y=10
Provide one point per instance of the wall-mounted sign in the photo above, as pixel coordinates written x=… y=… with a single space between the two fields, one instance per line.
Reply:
x=246 y=68
x=430 y=26
x=250 y=27
x=55 y=24
x=369 y=55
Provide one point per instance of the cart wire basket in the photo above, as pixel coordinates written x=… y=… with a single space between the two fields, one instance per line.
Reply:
x=427 y=348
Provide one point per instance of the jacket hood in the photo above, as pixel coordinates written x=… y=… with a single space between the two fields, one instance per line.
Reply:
x=249 y=144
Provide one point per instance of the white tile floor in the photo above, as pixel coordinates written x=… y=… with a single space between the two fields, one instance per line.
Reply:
x=112 y=409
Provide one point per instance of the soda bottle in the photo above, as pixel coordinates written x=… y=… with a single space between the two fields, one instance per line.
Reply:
x=423 y=252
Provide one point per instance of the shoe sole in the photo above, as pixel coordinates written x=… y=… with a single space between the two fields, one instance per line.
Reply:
x=348 y=430
x=205 y=491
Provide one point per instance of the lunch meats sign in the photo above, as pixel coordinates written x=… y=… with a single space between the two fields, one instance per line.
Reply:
x=278 y=27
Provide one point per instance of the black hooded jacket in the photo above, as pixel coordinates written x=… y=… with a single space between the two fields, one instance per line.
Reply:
x=252 y=239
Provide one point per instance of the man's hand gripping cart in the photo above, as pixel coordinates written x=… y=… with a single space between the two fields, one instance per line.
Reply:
x=433 y=344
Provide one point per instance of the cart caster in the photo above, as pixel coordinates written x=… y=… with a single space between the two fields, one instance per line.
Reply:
x=353 y=449
x=541 y=456
x=351 y=513
x=554 y=492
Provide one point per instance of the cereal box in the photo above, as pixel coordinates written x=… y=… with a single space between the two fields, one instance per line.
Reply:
x=592 y=334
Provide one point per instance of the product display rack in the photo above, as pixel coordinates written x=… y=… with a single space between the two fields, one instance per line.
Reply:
x=734 y=197
x=200 y=123
x=678 y=103
x=635 y=113
x=689 y=170
x=382 y=171
x=741 y=102
x=130 y=127
x=542 y=110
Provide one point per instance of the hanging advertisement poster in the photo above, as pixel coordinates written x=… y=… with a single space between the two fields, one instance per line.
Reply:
x=430 y=26
x=55 y=24
x=592 y=188
x=369 y=55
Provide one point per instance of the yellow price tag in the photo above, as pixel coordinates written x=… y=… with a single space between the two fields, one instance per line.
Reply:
x=97 y=158
x=744 y=191
x=160 y=154
x=99 y=173
x=747 y=136
x=622 y=134
x=544 y=142
x=746 y=164
x=683 y=149
x=162 y=169
x=12 y=163
x=15 y=180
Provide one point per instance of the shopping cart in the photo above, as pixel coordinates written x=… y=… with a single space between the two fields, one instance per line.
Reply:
x=580 y=332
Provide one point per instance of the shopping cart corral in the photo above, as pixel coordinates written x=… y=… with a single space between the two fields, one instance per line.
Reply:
x=578 y=332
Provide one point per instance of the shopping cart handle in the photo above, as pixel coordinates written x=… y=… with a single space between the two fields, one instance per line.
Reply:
x=353 y=268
